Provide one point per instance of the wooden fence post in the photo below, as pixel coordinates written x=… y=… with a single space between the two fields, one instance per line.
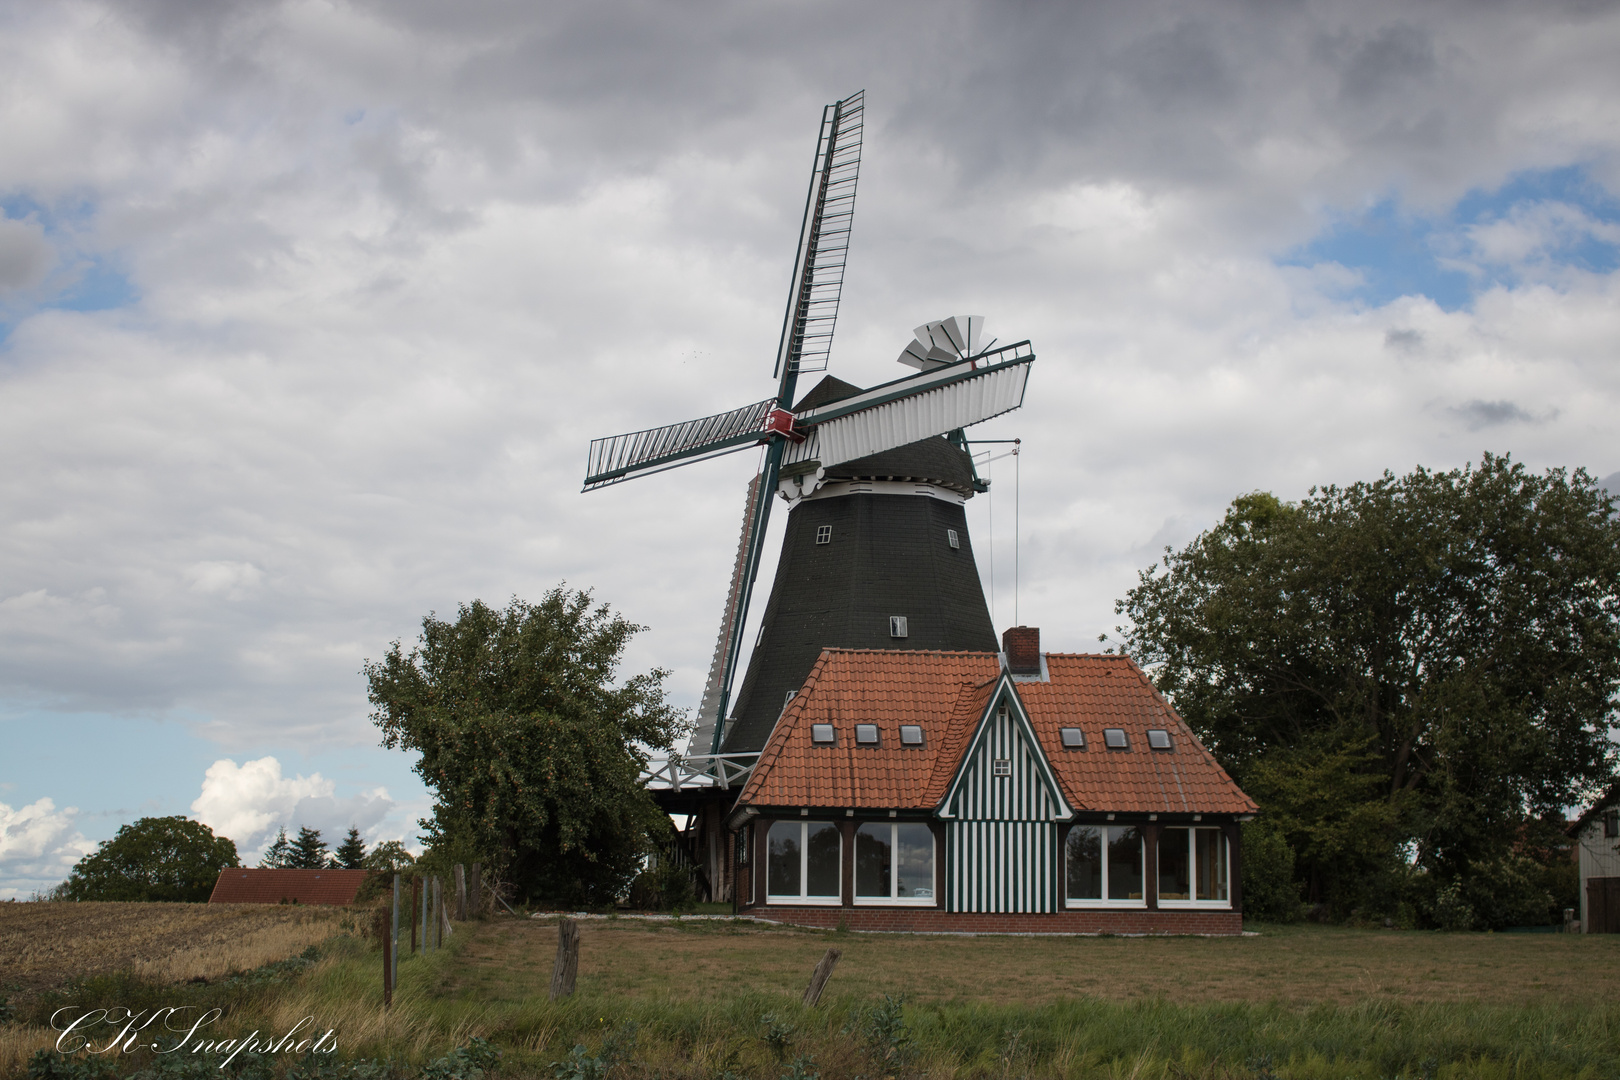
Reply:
x=478 y=891
x=567 y=966
x=461 y=893
x=438 y=912
x=385 y=931
x=393 y=941
x=819 y=977
x=416 y=900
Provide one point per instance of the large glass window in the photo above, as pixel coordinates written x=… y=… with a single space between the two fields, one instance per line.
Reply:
x=1104 y=865
x=802 y=862
x=1193 y=867
x=894 y=863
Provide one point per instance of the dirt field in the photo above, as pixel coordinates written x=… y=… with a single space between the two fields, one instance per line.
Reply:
x=44 y=945
x=510 y=959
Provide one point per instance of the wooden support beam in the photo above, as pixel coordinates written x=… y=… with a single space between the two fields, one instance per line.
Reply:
x=566 y=969
x=819 y=977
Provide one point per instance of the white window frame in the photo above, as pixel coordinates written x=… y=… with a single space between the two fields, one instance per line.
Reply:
x=1104 y=901
x=804 y=866
x=1192 y=869
x=823 y=534
x=894 y=878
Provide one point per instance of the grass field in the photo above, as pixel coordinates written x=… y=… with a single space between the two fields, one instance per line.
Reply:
x=1291 y=1002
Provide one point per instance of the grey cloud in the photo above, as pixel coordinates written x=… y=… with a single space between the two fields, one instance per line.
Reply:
x=1403 y=340
x=25 y=254
x=1483 y=414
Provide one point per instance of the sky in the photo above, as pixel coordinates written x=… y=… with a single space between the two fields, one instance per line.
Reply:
x=308 y=311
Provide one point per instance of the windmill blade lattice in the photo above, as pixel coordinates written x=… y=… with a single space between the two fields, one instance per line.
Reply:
x=639 y=453
x=829 y=213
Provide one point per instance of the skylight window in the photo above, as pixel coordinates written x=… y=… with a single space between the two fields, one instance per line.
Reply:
x=1159 y=739
x=1073 y=738
x=1114 y=738
x=866 y=734
x=911 y=735
x=823 y=534
x=821 y=734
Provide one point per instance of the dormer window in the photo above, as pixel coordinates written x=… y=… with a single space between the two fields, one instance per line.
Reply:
x=822 y=734
x=1114 y=738
x=911 y=735
x=1159 y=739
x=1073 y=738
x=866 y=735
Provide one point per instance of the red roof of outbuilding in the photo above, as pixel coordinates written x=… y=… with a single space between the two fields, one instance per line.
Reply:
x=947 y=694
x=241 y=885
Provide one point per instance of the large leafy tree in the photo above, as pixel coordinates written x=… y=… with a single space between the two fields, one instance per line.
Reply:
x=1416 y=665
x=533 y=750
x=156 y=858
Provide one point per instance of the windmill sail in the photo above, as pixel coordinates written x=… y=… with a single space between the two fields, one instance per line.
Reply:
x=703 y=739
x=818 y=270
x=638 y=453
x=933 y=402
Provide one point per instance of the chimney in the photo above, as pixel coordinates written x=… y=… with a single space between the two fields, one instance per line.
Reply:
x=1022 y=644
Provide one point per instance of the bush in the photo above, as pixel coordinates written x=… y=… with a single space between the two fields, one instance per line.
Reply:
x=1270 y=893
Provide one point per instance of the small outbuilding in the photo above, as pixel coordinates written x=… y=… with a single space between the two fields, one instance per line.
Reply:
x=244 y=885
x=1013 y=792
x=1597 y=838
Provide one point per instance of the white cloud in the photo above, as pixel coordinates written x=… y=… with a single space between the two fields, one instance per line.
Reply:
x=249 y=802
x=39 y=845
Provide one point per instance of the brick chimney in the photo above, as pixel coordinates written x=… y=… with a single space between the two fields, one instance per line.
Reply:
x=1022 y=644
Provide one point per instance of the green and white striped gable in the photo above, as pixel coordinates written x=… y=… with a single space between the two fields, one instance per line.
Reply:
x=1001 y=811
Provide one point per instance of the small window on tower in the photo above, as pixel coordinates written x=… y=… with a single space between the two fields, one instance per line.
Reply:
x=897 y=626
x=866 y=734
x=823 y=534
x=791 y=694
x=1115 y=739
x=1001 y=766
x=821 y=734
x=911 y=735
x=1158 y=739
x=1073 y=738
x=950 y=535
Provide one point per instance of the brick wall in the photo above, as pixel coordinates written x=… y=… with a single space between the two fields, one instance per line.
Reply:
x=925 y=920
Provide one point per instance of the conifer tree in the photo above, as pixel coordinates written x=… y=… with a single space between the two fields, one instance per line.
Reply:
x=351 y=854
x=278 y=855
x=309 y=850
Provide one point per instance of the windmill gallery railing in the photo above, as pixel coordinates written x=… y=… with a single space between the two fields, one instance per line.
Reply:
x=698 y=770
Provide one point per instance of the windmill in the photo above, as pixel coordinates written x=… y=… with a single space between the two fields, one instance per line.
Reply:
x=839 y=439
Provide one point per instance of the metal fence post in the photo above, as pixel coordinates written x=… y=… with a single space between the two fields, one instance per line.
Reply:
x=393 y=933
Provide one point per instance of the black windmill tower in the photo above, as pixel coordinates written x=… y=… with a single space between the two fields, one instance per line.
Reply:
x=876 y=553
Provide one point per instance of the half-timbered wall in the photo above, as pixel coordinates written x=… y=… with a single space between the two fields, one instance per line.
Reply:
x=1000 y=839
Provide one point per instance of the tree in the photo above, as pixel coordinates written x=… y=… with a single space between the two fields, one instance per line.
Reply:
x=351 y=854
x=308 y=851
x=278 y=856
x=154 y=859
x=533 y=753
x=390 y=855
x=1401 y=672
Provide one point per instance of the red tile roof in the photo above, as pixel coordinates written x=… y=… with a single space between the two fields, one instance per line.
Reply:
x=946 y=694
x=240 y=885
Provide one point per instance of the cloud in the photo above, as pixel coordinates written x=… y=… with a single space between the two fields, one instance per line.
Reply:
x=250 y=802
x=39 y=846
x=390 y=269
x=25 y=255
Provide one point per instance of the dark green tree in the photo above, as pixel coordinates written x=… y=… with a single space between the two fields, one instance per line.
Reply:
x=1406 y=669
x=309 y=850
x=532 y=750
x=351 y=854
x=278 y=856
x=389 y=855
x=156 y=858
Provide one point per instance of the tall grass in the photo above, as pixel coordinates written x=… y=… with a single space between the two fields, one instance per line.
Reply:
x=705 y=1038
